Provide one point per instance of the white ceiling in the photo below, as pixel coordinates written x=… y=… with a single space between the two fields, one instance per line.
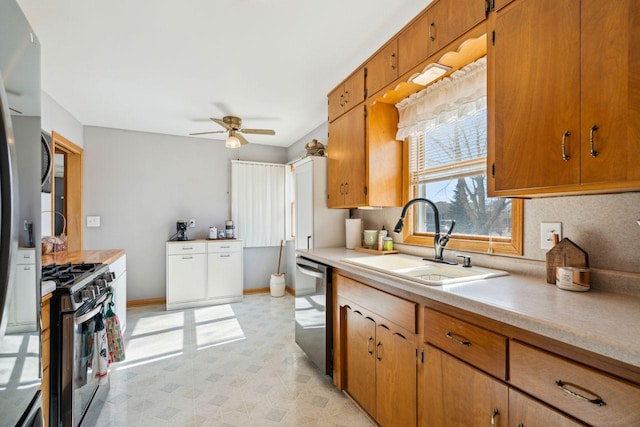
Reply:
x=166 y=66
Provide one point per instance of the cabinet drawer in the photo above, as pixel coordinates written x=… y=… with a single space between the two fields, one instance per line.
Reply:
x=26 y=256
x=186 y=248
x=224 y=246
x=393 y=308
x=475 y=345
x=541 y=374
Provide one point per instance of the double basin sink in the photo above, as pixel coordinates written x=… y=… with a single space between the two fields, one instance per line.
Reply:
x=424 y=271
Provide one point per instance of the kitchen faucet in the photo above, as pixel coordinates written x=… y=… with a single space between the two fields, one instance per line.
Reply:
x=439 y=241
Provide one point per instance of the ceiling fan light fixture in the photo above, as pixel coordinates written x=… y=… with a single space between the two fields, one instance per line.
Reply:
x=232 y=141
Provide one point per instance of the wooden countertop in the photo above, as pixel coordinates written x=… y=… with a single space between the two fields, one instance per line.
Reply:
x=104 y=256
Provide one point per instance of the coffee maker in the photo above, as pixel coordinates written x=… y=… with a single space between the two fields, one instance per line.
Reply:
x=181 y=228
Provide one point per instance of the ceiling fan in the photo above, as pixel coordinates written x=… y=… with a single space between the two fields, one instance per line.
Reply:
x=232 y=124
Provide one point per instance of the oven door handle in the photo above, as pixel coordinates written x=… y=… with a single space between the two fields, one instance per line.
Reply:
x=81 y=319
x=310 y=271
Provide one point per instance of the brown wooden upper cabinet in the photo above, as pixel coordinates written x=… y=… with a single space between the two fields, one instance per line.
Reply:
x=382 y=68
x=434 y=29
x=449 y=19
x=564 y=94
x=347 y=95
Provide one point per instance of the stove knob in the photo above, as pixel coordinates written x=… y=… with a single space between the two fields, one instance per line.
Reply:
x=100 y=283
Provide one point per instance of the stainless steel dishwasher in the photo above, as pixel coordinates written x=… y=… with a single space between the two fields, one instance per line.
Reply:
x=313 y=308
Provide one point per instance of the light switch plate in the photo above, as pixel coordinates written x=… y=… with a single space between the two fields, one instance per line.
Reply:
x=547 y=230
x=93 y=221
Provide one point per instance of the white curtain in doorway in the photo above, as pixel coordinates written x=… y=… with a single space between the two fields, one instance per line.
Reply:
x=258 y=202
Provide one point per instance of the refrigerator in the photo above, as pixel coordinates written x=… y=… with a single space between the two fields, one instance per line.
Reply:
x=20 y=180
x=316 y=226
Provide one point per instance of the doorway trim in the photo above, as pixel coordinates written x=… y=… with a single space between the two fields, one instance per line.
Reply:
x=72 y=202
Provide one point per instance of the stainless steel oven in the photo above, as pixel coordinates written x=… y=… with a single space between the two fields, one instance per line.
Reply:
x=313 y=308
x=76 y=307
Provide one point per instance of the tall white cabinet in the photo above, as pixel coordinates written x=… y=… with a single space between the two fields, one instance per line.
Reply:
x=316 y=225
x=202 y=272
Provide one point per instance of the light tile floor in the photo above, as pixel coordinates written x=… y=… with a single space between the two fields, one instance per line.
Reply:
x=226 y=365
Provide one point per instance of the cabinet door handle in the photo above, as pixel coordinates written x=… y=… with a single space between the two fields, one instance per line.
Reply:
x=346 y=97
x=565 y=157
x=432 y=31
x=187 y=257
x=346 y=188
x=342 y=188
x=370 y=345
x=461 y=340
x=494 y=415
x=379 y=351
x=597 y=401
x=225 y=256
x=592 y=132
x=341 y=100
x=392 y=61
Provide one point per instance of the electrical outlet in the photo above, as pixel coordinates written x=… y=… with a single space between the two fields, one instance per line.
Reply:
x=93 y=221
x=192 y=222
x=547 y=230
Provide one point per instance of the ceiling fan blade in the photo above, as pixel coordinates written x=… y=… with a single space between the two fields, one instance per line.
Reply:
x=259 y=131
x=205 y=133
x=242 y=139
x=221 y=123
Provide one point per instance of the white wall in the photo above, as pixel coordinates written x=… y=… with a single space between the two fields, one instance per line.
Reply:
x=140 y=183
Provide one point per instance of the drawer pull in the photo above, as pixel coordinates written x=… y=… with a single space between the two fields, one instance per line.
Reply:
x=187 y=248
x=187 y=257
x=370 y=345
x=225 y=247
x=597 y=401
x=460 y=340
x=494 y=415
x=225 y=256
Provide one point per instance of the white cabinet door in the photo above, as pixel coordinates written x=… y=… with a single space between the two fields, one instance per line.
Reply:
x=24 y=308
x=119 y=285
x=304 y=206
x=225 y=275
x=186 y=278
x=120 y=299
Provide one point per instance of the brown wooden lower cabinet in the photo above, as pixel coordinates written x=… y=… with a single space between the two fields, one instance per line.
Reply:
x=525 y=411
x=381 y=369
x=46 y=356
x=471 y=371
x=456 y=394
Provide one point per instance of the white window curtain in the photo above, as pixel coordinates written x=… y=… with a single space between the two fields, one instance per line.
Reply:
x=258 y=202
x=463 y=93
x=446 y=125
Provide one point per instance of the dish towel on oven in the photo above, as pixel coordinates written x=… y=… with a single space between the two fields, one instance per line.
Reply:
x=114 y=335
x=100 y=362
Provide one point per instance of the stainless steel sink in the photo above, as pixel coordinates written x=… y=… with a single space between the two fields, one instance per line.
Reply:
x=423 y=271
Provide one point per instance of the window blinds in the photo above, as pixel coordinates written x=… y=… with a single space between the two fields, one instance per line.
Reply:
x=447 y=126
x=258 y=202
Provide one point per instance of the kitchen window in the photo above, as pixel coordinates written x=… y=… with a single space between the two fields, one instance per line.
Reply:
x=445 y=132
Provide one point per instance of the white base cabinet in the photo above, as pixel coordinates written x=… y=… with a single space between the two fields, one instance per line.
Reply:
x=203 y=273
x=224 y=271
x=23 y=312
x=119 y=285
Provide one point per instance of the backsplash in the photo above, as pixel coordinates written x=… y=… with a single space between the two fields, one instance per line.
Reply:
x=603 y=225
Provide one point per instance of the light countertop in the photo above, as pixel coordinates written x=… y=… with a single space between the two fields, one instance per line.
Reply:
x=604 y=323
